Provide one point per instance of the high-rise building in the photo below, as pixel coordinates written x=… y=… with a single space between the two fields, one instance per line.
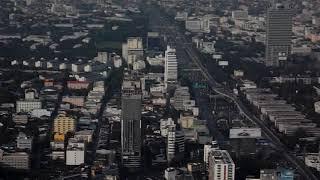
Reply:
x=164 y=124
x=221 y=166
x=63 y=124
x=175 y=142
x=279 y=31
x=171 y=67
x=75 y=153
x=132 y=51
x=206 y=151
x=181 y=95
x=131 y=124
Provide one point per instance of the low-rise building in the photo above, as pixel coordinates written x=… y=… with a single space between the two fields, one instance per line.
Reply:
x=268 y=174
x=77 y=67
x=16 y=160
x=78 y=84
x=181 y=16
x=40 y=112
x=195 y=167
x=84 y=135
x=138 y=65
x=57 y=137
x=238 y=73
x=170 y=173
x=239 y=15
x=313 y=161
x=58 y=155
x=20 y=118
x=28 y=105
x=156 y=61
x=24 y=142
x=74 y=100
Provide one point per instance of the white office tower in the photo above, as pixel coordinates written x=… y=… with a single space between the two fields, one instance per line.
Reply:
x=175 y=142
x=75 y=154
x=221 y=166
x=164 y=125
x=206 y=151
x=132 y=51
x=171 y=138
x=171 y=67
x=279 y=32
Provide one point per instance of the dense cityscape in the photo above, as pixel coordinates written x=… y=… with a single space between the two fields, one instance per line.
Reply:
x=160 y=89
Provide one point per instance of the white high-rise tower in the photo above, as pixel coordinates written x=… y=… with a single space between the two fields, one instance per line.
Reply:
x=221 y=166
x=171 y=67
x=175 y=142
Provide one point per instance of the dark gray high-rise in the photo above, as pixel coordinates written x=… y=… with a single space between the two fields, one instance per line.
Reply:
x=131 y=125
x=279 y=32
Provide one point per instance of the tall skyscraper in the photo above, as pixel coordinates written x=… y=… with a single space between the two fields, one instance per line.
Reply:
x=175 y=142
x=131 y=125
x=279 y=32
x=221 y=166
x=171 y=67
x=207 y=150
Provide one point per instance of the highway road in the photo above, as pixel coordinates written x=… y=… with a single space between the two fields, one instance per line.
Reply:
x=180 y=40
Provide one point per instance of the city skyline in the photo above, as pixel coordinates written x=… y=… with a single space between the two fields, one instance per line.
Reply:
x=160 y=89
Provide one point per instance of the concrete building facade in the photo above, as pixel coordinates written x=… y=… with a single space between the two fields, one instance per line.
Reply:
x=279 y=32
